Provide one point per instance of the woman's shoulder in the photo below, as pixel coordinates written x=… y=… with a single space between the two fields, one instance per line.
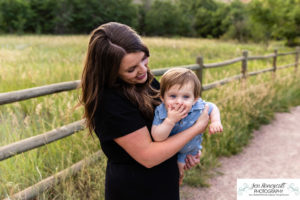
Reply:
x=110 y=95
x=114 y=99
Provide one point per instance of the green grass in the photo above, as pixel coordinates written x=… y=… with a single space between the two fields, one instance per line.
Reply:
x=30 y=61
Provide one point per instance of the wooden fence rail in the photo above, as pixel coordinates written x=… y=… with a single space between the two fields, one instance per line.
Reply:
x=260 y=57
x=67 y=130
x=221 y=82
x=35 y=190
x=40 y=140
x=221 y=64
x=260 y=71
x=10 y=97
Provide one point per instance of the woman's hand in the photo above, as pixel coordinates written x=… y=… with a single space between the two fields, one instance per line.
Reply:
x=192 y=161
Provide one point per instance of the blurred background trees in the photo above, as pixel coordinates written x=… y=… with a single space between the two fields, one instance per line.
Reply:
x=257 y=20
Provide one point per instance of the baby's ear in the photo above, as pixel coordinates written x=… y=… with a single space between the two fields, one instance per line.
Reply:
x=195 y=100
x=162 y=99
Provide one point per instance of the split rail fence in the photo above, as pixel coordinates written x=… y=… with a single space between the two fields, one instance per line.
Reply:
x=67 y=130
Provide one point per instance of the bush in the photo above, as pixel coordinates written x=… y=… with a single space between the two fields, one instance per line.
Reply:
x=88 y=14
x=14 y=15
x=237 y=22
x=257 y=20
x=165 y=18
x=42 y=19
x=64 y=16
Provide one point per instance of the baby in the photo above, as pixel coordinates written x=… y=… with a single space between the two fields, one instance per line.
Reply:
x=181 y=107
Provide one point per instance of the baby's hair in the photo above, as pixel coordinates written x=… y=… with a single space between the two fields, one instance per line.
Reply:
x=179 y=76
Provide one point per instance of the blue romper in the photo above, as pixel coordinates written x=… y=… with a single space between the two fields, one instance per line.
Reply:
x=193 y=146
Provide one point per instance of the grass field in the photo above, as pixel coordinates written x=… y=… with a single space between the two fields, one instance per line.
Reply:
x=30 y=61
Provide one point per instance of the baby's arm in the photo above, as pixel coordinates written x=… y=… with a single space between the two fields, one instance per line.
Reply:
x=215 y=121
x=162 y=131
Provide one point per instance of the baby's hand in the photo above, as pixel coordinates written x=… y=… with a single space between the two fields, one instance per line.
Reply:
x=176 y=113
x=215 y=127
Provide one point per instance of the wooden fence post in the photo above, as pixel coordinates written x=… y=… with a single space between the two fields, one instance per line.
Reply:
x=245 y=64
x=275 y=61
x=297 y=58
x=199 y=72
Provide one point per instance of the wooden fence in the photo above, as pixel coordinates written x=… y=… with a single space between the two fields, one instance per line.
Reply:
x=67 y=130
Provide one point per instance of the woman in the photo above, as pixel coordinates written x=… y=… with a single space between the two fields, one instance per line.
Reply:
x=118 y=94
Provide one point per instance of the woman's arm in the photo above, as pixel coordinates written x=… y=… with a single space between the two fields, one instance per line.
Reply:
x=162 y=131
x=140 y=147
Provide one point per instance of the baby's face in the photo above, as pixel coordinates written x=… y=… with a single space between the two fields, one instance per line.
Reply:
x=177 y=95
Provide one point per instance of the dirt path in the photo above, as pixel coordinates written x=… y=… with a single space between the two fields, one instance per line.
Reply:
x=274 y=152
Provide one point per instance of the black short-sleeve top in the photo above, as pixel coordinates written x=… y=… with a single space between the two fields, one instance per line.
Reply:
x=125 y=177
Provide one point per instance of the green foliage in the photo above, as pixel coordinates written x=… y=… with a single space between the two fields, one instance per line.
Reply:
x=202 y=25
x=204 y=16
x=64 y=16
x=237 y=22
x=44 y=14
x=14 y=15
x=165 y=18
x=289 y=23
x=277 y=19
x=264 y=14
x=259 y=21
x=88 y=14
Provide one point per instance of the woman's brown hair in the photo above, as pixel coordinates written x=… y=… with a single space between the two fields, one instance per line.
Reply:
x=108 y=44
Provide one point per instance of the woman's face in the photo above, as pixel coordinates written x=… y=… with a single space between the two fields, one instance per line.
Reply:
x=133 y=69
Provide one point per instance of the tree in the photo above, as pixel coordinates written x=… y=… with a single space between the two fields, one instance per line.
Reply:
x=14 y=15
x=288 y=24
x=165 y=18
x=264 y=13
x=88 y=14
x=208 y=18
x=237 y=22
x=42 y=18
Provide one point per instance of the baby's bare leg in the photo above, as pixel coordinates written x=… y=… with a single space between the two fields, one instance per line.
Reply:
x=181 y=171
